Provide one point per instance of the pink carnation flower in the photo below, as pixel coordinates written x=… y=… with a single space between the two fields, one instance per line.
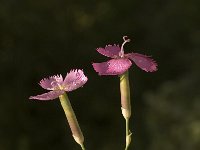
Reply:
x=73 y=80
x=121 y=62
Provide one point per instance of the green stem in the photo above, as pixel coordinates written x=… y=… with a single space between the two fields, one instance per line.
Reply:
x=83 y=147
x=71 y=118
x=128 y=134
x=127 y=127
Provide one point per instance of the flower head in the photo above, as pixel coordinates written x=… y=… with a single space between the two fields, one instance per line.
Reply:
x=121 y=62
x=73 y=80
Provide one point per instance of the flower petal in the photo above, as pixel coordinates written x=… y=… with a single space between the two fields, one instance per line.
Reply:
x=113 y=66
x=110 y=51
x=52 y=82
x=144 y=62
x=74 y=79
x=48 y=96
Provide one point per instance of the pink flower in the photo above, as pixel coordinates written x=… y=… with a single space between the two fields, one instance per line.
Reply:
x=121 y=62
x=73 y=80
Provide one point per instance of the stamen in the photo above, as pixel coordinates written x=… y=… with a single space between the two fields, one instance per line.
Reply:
x=126 y=39
x=56 y=85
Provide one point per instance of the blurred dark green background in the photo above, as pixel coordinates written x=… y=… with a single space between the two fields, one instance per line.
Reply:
x=48 y=37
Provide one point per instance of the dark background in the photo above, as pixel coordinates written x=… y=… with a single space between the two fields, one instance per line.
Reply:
x=39 y=38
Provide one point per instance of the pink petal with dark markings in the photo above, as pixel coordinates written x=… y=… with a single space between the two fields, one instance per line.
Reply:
x=48 y=96
x=52 y=82
x=110 y=51
x=113 y=66
x=144 y=62
x=74 y=79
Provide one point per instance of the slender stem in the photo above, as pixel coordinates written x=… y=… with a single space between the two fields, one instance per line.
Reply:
x=128 y=134
x=83 y=147
x=71 y=118
x=127 y=127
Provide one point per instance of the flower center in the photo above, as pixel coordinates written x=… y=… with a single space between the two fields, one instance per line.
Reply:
x=56 y=85
x=126 y=39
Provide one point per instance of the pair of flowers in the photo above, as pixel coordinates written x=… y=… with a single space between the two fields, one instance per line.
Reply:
x=117 y=65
